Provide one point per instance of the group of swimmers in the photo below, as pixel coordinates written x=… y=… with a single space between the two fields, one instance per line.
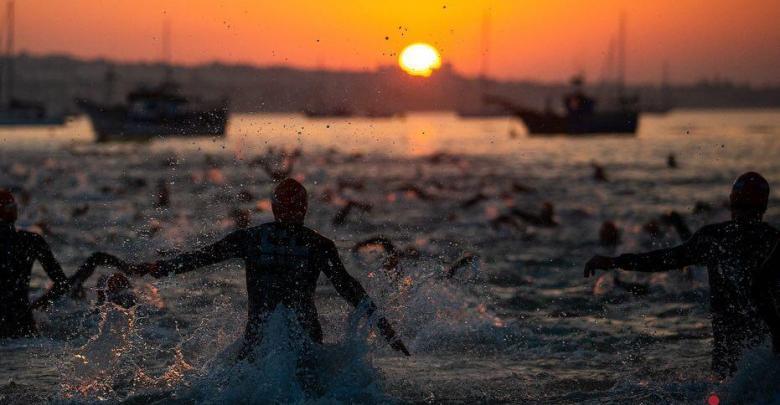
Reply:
x=283 y=260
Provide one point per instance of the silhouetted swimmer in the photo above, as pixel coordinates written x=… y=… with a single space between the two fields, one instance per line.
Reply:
x=671 y=161
x=609 y=234
x=79 y=211
x=19 y=251
x=545 y=218
x=116 y=289
x=341 y=217
x=278 y=166
x=599 y=173
x=392 y=255
x=469 y=261
x=415 y=191
x=518 y=187
x=241 y=217
x=474 y=200
x=505 y=220
x=701 y=207
x=678 y=223
x=766 y=295
x=652 y=228
x=734 y=252
x=283 y=261
x=162 y=194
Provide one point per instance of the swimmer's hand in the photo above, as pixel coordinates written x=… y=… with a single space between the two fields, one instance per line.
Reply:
x=599 y=262
x=389 y=334
x=399 y=346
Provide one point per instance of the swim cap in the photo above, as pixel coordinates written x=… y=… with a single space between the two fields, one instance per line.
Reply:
x=116 y=283
x=8 y=211
x=289 y=201
x=750 y=192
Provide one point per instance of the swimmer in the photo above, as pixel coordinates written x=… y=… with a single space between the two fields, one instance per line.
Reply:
x=734 y=252
x=283 y=260
x=20 y=250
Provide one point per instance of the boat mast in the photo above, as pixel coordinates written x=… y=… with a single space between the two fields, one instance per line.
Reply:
x=7 y=73
x=665 y=100
x=166 y=50
x=621 y=54
x=485 y=62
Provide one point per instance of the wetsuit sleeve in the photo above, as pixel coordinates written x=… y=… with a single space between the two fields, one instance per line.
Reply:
x=766 y=292
x=347 y=287
x=228 y=248
x=351 y=290
x=49 y=263
x=689 y=253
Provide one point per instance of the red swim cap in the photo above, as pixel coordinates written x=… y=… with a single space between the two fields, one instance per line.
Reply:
x=750 y=192
x=8 y=211
x=289 y=201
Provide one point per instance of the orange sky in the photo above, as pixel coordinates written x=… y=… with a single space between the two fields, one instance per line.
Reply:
x=544 y=39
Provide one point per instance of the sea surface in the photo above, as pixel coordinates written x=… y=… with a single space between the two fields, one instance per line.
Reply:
x=520 y=324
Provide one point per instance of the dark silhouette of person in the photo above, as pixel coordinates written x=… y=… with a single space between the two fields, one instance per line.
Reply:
x=766 y=295
x=19 y=250
x=734 y=253
x=283 y=261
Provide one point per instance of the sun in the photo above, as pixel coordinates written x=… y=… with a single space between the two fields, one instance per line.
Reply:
x=419 y=59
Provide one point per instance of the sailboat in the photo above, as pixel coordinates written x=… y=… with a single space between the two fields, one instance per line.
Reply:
x=159 y=110
x=583 y=115
x=14 y=111
x=665 y=103
x=483 y=109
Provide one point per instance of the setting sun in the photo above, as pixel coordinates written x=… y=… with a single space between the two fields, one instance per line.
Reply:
x=419 y=59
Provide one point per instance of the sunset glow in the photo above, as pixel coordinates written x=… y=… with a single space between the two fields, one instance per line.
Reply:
x=419 y=59
x=545 y=40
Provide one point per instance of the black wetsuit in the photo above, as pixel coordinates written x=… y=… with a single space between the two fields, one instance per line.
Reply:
x=283 y=262
x=766 y=293
x=733 y=252
x=18 y=251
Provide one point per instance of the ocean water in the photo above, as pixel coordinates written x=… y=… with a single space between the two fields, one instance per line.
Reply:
x=519 y=324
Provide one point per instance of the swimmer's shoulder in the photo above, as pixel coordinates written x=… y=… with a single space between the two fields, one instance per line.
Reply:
x=31 y=239
x=310 y=235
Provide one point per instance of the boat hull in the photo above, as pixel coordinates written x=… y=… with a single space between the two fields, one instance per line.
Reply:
x=617 y=122
x=113 y=124
x=29 y=118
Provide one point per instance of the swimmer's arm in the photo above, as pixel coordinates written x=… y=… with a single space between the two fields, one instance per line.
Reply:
x=351 y=290
x=660 y=260
x=225 y=249
x=766 y=292
x=657 y=260
x=53 y=269
x=49 y=263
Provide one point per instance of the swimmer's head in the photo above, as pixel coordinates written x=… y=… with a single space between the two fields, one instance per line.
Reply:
x=289 y=202
x=8 y=209
x=749 y=196
x=116 y=283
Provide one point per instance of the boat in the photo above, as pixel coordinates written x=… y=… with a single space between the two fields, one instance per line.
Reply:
x=15 y=111
x=582 y=114
x=481 y=109
x=155 y=111
x=665 y=104
x=581 y=117
x=338 y=111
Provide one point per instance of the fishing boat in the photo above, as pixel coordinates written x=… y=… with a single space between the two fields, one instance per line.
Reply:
x=159 y=111
x=583 y=114
x=15 y=111
x=481 y=109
